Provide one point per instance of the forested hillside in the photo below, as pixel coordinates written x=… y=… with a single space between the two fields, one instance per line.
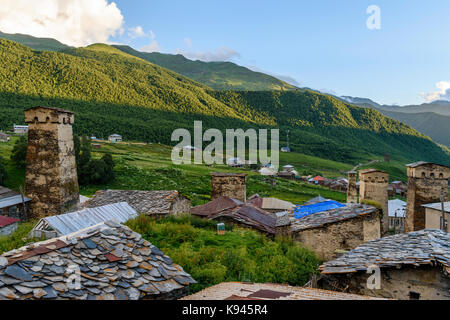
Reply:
x=35 y=43
x=217 y=75
x=111 y=91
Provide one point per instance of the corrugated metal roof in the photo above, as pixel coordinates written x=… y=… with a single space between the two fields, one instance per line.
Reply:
x=72 y=222
x=12 y=201
x=438 y=206
x=6 y=221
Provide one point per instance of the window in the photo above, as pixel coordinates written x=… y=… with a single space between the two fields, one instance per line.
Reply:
x=414 y=295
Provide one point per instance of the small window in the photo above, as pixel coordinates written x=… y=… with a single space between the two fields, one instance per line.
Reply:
x=423 y=175
x=441 y=176
x=414 y=295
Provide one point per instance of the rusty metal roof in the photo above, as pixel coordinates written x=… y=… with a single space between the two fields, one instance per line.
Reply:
x=6 y=221
x=216 y=206
x=269 y=291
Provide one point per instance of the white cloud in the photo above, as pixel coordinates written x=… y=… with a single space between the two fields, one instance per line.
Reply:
x=136 y=32
x=73 y=22
x=188 y=42
x=442 y=94
x=153 y=46
x=219 y=54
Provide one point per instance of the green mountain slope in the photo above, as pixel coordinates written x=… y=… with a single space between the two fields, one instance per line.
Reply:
x=111 y=91
x=434 y=125
x=217 y=75
x=40 y=44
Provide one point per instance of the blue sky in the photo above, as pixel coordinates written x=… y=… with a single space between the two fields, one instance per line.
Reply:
x=322 y=44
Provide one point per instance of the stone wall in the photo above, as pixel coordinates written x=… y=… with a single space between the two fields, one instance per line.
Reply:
x=425 y=185
x=229 y=185
x=180 y=205
x=352 y=191
x=374 y=187
x=344 y=235
x=424 y=283
x=51 y=175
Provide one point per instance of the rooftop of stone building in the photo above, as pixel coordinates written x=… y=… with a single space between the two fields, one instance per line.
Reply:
x=268 y=291
x=424 y=163
x=228 y=174
x=438 y=206
x=10 y=198
x=50 y=108
x=104 y=262
x=146 y=202
x=365 y=171
x=321 y=219
x=426 y=247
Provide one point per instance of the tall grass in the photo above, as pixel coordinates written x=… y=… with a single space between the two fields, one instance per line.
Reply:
x=239 y=255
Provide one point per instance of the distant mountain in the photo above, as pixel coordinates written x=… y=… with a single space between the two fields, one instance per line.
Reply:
x=217 y=75
x=40 y=44
x=432 y=119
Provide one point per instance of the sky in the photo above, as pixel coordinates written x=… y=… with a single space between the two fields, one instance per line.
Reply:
x=398 y=56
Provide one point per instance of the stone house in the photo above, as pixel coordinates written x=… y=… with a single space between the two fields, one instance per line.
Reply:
x=4 y=137
x=20 y=129
x=104 y=262
x=330 y=232
x=413 y=265
x=269 y=291
x=151 y=203
x=12 y=204
x=433 y=216
x=115 y=138
x=397 y=214
x=8 y=225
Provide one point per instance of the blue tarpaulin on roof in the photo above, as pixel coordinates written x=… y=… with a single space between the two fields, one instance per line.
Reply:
x=303 y=211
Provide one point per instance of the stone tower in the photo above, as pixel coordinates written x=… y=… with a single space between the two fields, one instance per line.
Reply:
x=374 y=186
x=232 y=185
x=426 y=182
x=51 y=175
x=352 y=191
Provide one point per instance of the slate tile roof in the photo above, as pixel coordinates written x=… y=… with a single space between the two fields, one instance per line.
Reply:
x=268 y=291
x=321 y=219
x=111 y=262
x=426 y=247
x=146 y=202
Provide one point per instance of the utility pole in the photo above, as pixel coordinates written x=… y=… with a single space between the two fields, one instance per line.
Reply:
x=288 y=139
x=24 y=207
x=444 y=220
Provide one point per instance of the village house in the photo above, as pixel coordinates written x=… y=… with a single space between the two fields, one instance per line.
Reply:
x=400 y=188
x=433 y=216
x=8 y=225
x=64 y=224
x=151 y=203
x=104 y=262
x=330 y=232
x=397 y=214
x=225 y=209
x=115 y=138
x=19 y=129
x=12 y=204
x=269 y=291
x=413 y=266
x=4 y=137
x=286 y=175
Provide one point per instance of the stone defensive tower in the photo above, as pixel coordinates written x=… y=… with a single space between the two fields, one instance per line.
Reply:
x=426 y=182
x=374 y=186
x=232 y=185
x=352 y=191
x=51 y=175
